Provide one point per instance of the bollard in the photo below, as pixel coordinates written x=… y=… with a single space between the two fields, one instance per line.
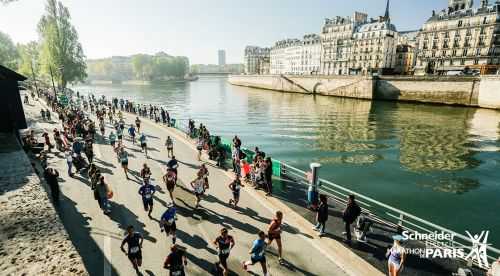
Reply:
x=312 y=192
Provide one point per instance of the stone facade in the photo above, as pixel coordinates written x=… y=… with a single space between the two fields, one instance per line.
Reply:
x=296 y=57
x=358 y=46
x=460 y=36
x=256 y=60
x=405 y=53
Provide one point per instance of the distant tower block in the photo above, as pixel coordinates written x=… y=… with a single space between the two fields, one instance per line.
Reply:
x=222 y=57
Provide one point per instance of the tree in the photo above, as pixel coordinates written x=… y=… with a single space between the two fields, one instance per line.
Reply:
x=61 y=52
x=29 y=56
x=8 y=52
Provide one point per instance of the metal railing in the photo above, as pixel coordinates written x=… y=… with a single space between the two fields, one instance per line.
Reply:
x=378 y=211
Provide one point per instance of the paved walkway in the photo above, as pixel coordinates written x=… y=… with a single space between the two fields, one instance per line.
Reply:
x=97 y=237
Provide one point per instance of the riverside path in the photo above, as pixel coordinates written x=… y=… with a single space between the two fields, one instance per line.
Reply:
x=97 y=236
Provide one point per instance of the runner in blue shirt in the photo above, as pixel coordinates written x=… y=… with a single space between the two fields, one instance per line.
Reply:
x=131 y=132
x=167 y=222
x=257 y=253
x=147 y=191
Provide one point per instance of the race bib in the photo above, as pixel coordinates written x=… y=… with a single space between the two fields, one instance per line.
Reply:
x=225 y=251
x=176 y=273
x=134 y=249
x=170 y=221
x=148 y=196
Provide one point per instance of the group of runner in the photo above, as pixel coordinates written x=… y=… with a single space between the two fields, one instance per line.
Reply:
x=78 y=123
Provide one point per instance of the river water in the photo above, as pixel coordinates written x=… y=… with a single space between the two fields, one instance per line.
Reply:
x=440 y=163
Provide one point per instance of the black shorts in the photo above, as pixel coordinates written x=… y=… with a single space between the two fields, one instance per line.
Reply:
x=170 y=228
x=199 y=194
x=147 y=202
x=223 y=260
x=124 y=163
x=258 y=260
x=113 y=143
x=135 y=256
x=236 y=195
x=143 y=145
x=120 y=137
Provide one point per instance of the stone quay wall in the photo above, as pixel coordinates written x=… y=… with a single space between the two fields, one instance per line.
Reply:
x=481 y=91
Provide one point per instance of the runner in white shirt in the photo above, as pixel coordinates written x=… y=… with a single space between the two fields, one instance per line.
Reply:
x=199 y=186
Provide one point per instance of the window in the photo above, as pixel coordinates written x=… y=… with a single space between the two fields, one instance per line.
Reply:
x=460 y=23
x=476 y=61
x=464 y=52
x=462 y=62
x=485 y=20
x=478 y=52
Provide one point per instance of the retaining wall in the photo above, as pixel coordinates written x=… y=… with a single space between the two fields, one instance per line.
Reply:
x=454 y=90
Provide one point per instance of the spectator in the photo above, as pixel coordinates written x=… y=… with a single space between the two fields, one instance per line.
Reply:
x=350 y=214
x=51 y=176
x=322 y=215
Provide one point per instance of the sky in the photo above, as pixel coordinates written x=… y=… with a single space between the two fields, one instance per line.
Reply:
x=198 y=28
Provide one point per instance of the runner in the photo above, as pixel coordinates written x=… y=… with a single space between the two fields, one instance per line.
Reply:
x=145 y=171
x=172 y=164
x=274 y=233
x=134 y=243
x=144 y=146
x=257 y=253
x=170 y=146
x=167 y=222
x=123 y=157
x=147 y=191
x=131 y=132
x=199 y=147
x=102 y=128
x=170 y=179
x=199 y=186
x=112 y=139
x=119 y=133
x=235 y=187
x=176 y=261
x=138 y=124
x=224 y=243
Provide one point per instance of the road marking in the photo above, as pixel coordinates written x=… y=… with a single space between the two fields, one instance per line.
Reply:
x=107 y=256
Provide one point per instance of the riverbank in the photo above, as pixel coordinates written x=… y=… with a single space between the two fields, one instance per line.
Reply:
x=33 y=241
x=449 y=90
x=138 y=82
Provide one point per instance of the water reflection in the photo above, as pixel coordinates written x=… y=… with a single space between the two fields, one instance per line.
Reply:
x=455 y=185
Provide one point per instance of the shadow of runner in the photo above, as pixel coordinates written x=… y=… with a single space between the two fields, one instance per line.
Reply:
x=77 y=226
x=124 y=217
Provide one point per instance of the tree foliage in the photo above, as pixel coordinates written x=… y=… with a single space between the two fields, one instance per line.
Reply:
x=8 y=52
x=60 y=51
x=28 y=59
x=141 y=67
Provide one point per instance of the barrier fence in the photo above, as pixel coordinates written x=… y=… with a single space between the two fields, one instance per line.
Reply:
x=373 y=209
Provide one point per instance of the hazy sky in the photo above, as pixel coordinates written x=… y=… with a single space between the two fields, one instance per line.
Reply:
x=198 y=28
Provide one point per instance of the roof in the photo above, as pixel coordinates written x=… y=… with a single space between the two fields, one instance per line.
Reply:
x=7 y=74
x=376 y=26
